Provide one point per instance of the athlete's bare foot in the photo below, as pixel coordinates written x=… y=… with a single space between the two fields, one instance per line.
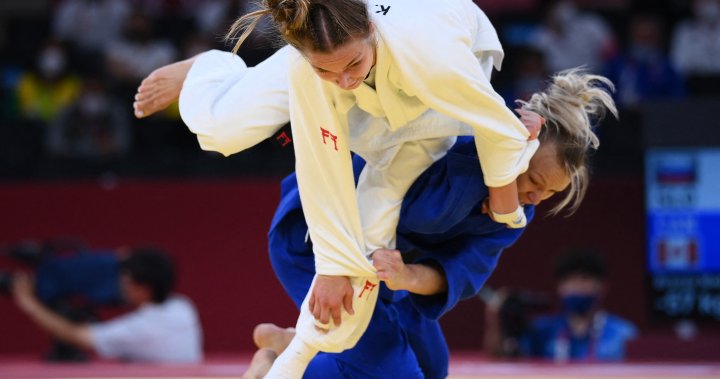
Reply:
x=273 y=337
x=260 y=364
x=161 y=88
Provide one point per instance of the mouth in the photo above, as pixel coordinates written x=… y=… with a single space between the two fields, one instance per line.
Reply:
x=354 y=84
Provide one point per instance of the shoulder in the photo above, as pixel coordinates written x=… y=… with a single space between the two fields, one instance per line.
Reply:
x=406 y=22
x=398 y=10
x=620 y=326
x=179 y=306
x=180 y=301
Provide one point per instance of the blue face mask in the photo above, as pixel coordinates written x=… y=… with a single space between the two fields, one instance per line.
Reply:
x=579 y=305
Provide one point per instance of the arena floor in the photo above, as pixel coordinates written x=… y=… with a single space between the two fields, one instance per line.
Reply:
x=462 y=367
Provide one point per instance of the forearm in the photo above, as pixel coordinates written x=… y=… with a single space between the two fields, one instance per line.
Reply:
x=504 y=199
x=425 y=279
x=231 y=107
x=58 y=326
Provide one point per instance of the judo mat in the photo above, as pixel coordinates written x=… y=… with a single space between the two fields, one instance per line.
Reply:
x=466 y=366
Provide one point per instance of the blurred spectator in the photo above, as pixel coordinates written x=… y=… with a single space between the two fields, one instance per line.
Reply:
x=90 y=26
x=138 y=52
x=94 y=127
x=492 y=7
x=195 y=44
x=214 y=18
x=583 y=331
x=211 y=16
x=695 y=48
x=569 y=38
x=529 y=75
x=163 y=327
x=644 y=71
x=43 y=93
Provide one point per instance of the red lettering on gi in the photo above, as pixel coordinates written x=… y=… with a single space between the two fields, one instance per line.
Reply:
x=327 y=134
x=368 y=286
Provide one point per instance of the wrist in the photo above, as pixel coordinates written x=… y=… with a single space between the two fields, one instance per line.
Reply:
x=515 y=219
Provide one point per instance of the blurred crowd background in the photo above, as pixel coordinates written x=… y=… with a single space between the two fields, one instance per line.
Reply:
x=69 y=70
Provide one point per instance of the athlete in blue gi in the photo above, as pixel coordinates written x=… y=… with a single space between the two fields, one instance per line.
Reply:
x=447 y=245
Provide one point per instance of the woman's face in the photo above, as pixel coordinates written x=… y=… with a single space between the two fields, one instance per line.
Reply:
x=348 y=65
x=545 y=176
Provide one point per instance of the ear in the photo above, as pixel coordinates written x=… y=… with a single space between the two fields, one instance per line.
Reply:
x=372 y=27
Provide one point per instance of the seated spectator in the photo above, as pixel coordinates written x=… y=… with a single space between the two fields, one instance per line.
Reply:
x=43 y=93
x=214 y=17
x=163 y=327
x=695 y=48
x=583 y=331
x=137 y=52
x=94 y=127
x=643 y=71
x=89 y=26
x=570 y=38
x=528 y=75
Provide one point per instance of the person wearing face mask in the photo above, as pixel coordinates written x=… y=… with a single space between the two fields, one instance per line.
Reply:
x=42 y=94
x=582 y=330
x=138 y=51
x=695 y=47
x=643 y=71
x=569 y=37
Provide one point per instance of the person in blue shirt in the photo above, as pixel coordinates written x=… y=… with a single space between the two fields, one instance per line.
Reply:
x=643 y=72
x=582 y=331
x=447 y=245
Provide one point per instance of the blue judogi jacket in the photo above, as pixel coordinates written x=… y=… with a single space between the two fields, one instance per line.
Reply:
x=441 y=222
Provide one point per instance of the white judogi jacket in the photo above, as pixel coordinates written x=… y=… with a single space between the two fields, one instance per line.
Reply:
x=427 y=58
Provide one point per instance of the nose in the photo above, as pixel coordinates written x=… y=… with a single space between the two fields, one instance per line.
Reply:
x=344 y=81
x=534 y=197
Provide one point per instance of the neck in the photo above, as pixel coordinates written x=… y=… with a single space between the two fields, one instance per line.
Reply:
x=580 y=325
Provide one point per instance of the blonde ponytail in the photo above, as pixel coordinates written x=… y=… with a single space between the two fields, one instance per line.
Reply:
x=572 y=104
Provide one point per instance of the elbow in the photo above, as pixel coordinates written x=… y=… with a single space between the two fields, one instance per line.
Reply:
x=212 y=142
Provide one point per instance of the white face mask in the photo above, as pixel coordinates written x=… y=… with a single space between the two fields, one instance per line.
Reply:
x=707 y=10
x=51 y=62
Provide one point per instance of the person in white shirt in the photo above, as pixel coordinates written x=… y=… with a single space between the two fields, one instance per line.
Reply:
x=695 y=47
x=570 y=38
x=163 y=327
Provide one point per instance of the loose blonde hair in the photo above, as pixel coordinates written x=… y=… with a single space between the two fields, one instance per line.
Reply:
x=308 y=25
x=573 y=103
